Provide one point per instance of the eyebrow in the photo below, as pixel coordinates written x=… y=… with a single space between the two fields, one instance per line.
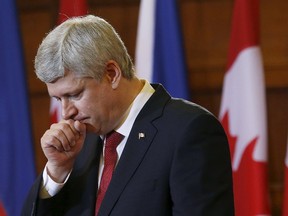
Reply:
x=73 y=92
x=77 y=88
x=67 y=93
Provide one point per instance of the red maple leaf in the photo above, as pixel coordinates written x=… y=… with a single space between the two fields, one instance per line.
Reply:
x=249 y=180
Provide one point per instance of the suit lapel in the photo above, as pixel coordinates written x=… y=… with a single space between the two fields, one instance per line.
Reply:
x=139 y=141
x=87 y=165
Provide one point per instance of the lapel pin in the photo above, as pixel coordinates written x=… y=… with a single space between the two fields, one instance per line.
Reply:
x=141 y=136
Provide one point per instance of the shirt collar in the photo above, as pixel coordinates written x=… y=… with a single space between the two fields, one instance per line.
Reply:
x=135 y=107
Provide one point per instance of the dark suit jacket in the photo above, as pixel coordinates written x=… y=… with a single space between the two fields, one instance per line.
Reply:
x=181 y=167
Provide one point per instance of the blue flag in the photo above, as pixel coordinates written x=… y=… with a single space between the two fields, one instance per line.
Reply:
x=159 y=52
x=17 y=171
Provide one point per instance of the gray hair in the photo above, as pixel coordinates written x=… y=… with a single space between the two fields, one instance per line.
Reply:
x=83 y=46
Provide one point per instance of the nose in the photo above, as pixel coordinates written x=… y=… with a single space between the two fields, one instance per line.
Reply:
x=68 y=110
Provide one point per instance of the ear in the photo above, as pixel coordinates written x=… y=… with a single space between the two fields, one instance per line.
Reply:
x=113 y=73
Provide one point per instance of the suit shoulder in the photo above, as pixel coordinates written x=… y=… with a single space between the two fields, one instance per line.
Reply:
x=186 y=107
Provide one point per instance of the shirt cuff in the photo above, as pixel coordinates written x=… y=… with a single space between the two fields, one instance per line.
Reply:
x=49 y=187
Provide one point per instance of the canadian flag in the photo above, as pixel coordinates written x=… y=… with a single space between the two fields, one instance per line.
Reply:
x=285 y=197
x=67 y=9
x=243 y=112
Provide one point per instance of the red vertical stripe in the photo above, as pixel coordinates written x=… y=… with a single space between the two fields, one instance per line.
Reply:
x=2 y=210
x=67 y=9
x=285 y=196
x=245 y=28
x=71 y=8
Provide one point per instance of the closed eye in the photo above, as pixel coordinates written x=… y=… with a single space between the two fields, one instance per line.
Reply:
x=76 y=96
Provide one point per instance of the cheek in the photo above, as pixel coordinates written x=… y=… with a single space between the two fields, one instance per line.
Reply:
x=86 y=107
x=90 y=108
x=96 y=105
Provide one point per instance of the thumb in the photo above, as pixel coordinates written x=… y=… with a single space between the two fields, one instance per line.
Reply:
x=80 y=127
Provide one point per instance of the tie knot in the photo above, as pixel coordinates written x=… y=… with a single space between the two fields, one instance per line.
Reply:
x=113 y=139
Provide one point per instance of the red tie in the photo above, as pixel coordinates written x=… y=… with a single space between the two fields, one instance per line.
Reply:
x=110 y=157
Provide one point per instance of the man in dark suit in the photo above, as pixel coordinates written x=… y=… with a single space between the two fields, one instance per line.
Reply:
x=173 y=156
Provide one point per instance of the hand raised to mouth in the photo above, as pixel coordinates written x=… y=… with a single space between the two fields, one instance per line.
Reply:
x=61 y=144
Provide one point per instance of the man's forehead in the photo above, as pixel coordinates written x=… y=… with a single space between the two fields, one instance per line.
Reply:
x=65 y=85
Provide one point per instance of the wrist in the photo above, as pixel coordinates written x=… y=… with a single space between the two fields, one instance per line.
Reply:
x=58 y=173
